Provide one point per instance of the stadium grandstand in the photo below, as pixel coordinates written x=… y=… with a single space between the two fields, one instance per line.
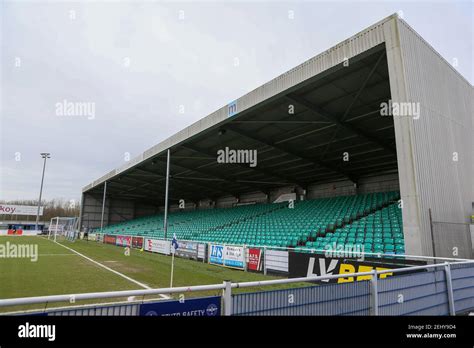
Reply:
x=354 y=146
x=373 y=220
x=343 y=187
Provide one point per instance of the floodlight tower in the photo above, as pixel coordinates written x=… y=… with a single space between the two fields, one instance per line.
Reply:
x=44 y=155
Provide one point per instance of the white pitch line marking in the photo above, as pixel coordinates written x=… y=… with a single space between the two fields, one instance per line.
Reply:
x=111 y=270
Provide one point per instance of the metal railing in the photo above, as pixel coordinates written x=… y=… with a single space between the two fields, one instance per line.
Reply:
x=227 y=287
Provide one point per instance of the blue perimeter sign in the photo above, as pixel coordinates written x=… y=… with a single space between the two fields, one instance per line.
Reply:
x=227 y=255
x=217 y=254
x=196 y=307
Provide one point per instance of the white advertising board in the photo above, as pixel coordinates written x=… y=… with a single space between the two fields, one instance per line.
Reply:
x=227 y=255
x=11 y=209
x=157 y=246
x=276 y=260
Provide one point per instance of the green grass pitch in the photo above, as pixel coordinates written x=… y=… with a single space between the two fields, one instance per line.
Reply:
x=60 y=271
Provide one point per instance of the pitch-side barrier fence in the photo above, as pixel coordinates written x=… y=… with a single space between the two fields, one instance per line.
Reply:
x=436 y=289
x=293 y=262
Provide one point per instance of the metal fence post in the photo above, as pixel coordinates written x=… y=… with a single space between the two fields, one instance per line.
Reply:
x=449 y=289
x=432 y=234
x=245 y=258
x=227 y=297
x=374 y=294
x=223 y=255
x=265 y=260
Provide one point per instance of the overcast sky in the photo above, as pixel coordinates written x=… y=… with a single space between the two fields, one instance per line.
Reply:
x=150 y=69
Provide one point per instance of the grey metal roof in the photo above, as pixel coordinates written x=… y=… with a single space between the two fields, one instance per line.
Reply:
x=336 y=110
x=333 y=114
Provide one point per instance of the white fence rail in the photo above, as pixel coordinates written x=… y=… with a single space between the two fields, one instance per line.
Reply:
x=461 y=295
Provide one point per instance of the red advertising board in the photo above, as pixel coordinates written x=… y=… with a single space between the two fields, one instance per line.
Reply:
x=15 y=232
x=137 y=242
x=110 y=239
x=125 y=241
x=255 y=257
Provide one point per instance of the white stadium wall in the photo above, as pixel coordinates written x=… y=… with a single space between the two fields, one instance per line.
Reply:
x=430 y=178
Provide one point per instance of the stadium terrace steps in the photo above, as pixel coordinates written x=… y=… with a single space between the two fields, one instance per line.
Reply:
x=373 y=220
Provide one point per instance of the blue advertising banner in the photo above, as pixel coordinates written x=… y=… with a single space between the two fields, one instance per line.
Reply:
x=196 y=307
x=216 y=254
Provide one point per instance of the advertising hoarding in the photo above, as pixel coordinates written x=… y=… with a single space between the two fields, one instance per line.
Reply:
x=276 y=261
x=137 y=242
x=254 y=259
x=12 y=209
x=124 y=241
x=311 y=265
x=201 y=307
x=187 y=250
x=227 y=255
x=158 y=246
x=108 y=239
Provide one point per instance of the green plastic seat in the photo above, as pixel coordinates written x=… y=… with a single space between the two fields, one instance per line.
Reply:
x=399 y=248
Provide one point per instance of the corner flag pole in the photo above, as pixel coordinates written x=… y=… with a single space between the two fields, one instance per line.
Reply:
x=172 y=270
x=174 y=246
